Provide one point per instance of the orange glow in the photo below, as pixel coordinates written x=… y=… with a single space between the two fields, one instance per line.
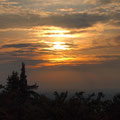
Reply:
x=60 y=35
x=60 y=59
x=59 y=46
x=54 y=32
x=58 y=32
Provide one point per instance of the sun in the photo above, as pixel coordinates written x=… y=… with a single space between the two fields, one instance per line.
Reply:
x=54 y=32
x=59 y=46
x=58 y=32
x=61 y=35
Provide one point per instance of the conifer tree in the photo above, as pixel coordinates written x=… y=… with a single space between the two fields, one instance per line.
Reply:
x=23 y=79
x=13 y=82
x=26 y=89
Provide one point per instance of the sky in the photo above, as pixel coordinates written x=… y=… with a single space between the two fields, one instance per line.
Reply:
x=66 y=45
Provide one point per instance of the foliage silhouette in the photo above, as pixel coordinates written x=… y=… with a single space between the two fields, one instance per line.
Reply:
x=19 y=101
x=13 y=82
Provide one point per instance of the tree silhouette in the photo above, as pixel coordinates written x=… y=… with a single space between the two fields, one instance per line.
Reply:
x=25 y=89
x=19 y=101
x=19 y=84
x=60 y=98
x=23 y=79
x=13 y=82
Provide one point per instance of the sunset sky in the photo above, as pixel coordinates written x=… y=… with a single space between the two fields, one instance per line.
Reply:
x=65 y=44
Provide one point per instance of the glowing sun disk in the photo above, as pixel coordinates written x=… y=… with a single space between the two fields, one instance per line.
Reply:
x=59 y=46
x=61 y=35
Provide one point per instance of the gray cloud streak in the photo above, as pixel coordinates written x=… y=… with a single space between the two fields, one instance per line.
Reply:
x=79 y=20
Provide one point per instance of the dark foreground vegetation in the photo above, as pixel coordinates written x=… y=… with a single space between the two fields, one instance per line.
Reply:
x=19 y=101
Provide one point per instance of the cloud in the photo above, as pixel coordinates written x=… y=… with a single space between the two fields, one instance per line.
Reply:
x=3 y=0
x=117 y=40
x=107 y=1
x=66 y=10
x=25 y=45
x=8 y=3
x=16 y=45
x=79 y=20
x=21 y=17
x=105 y=61
x=99 y=47
x=101 y=1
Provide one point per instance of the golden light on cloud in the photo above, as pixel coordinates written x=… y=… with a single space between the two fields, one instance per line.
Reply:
x=60 y=35
x=61 y=59
x=55 y=32
x=59 y=46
